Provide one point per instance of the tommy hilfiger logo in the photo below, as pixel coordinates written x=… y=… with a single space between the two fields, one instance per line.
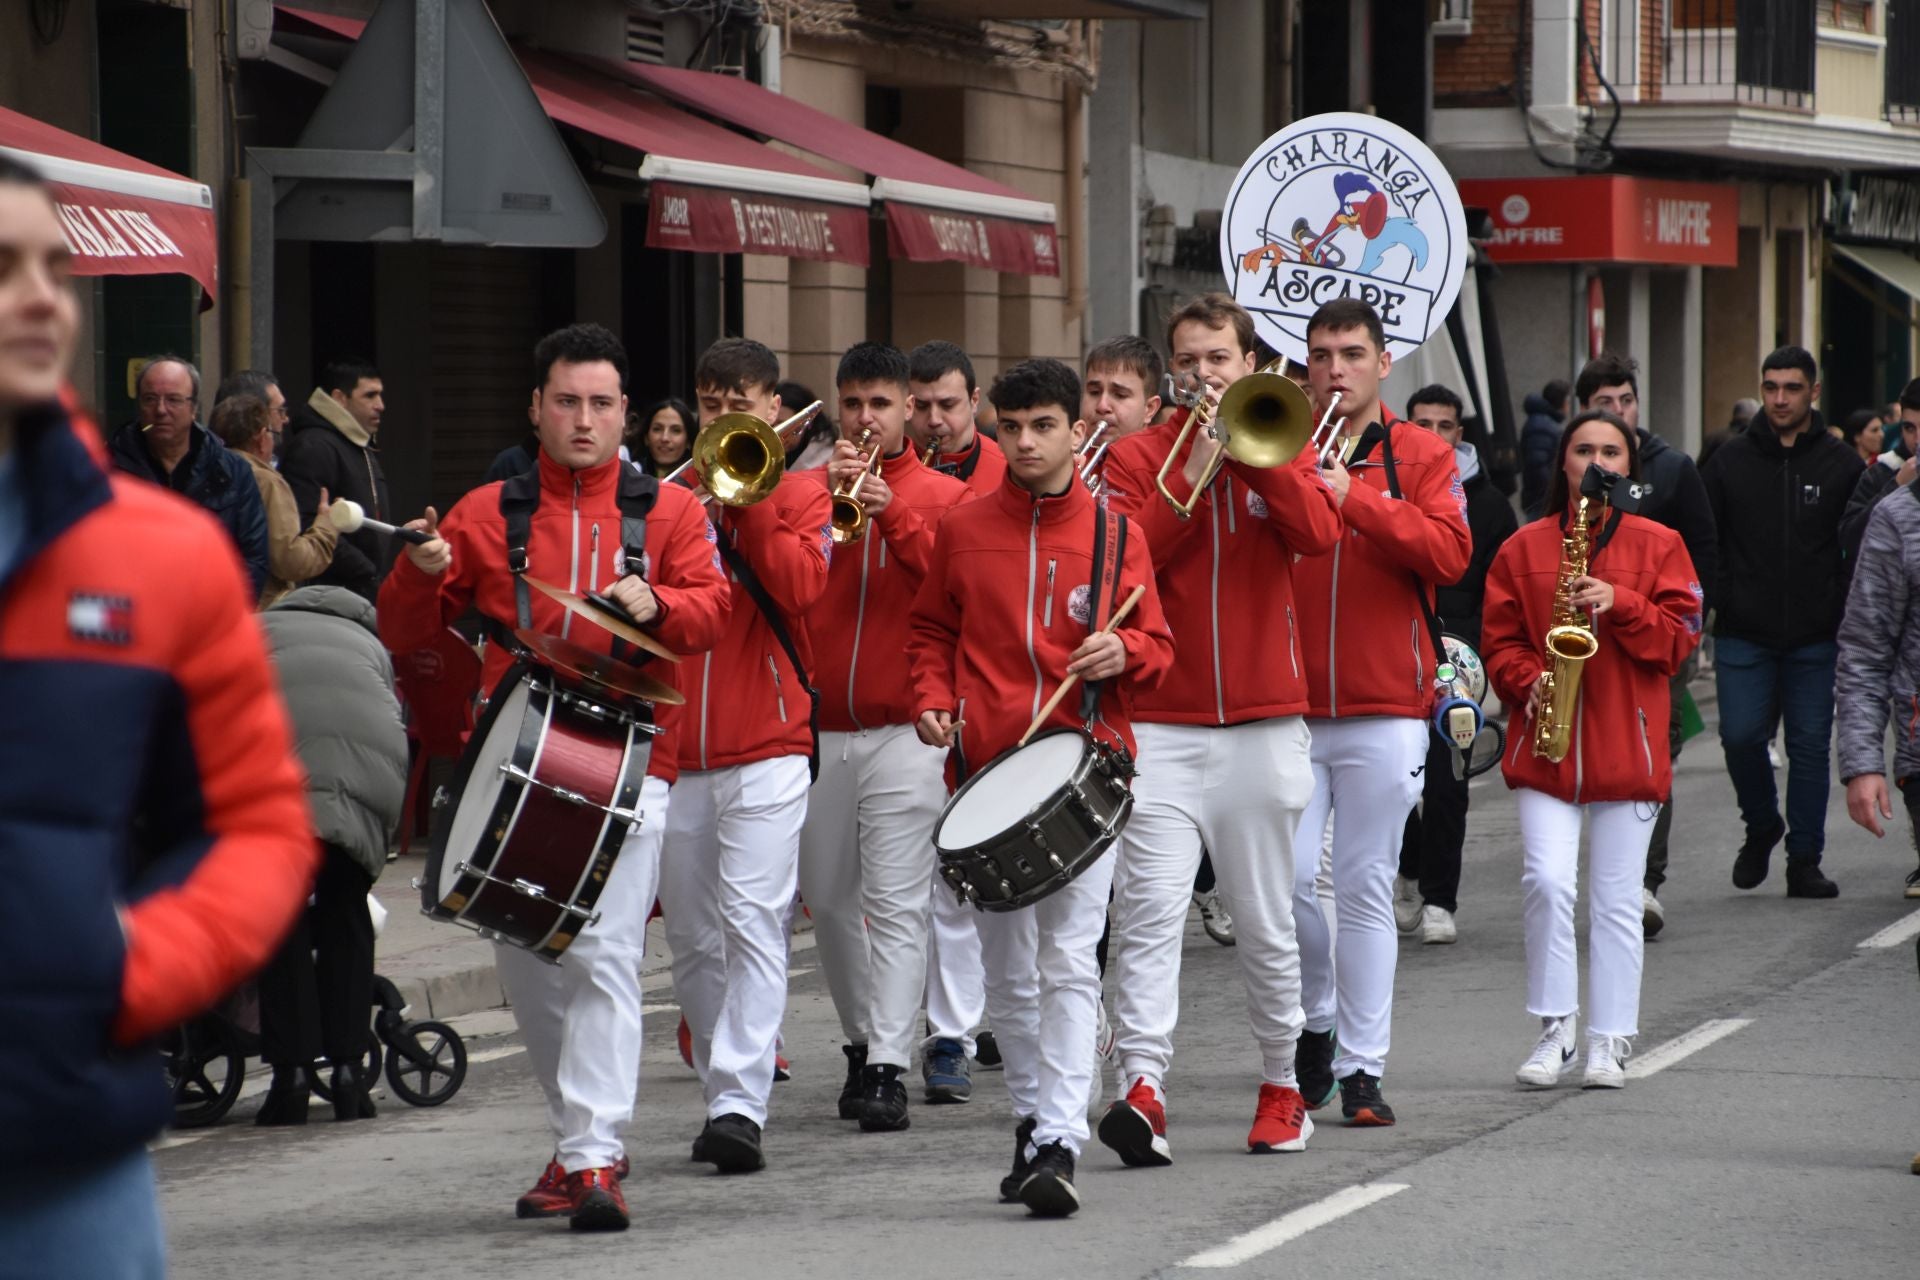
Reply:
x=101 y=619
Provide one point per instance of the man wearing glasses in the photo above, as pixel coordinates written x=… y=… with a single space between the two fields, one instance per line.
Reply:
x=166 y=445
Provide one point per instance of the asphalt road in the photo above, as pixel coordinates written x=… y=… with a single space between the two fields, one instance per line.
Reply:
x=1780 y=1148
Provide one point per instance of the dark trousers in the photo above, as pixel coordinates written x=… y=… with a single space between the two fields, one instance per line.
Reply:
x=1437 y=829
x=1662 y=825
x=1910 y=792
x=1759 y=688
x=316 y=994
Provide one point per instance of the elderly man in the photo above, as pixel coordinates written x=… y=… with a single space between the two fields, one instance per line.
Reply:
x=244 y=423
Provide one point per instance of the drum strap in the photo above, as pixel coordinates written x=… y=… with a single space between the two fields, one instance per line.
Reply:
x=520 y=498
x=1109 y=552
x=778 y=624
x=1420 y=589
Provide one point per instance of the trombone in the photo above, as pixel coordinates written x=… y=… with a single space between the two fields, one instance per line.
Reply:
x=1261 y=421
x=739 y=459
x=849 y=516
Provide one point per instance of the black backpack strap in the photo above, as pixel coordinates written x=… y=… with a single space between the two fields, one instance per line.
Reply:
x=1109 y=553
x=778 y=623
x=519 y=499
x=1420 y=589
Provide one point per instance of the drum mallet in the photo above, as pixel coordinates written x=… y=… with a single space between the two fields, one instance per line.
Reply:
x=1073 y=677
x=349 y=516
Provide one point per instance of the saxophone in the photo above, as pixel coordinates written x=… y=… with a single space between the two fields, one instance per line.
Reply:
x=1570 y=642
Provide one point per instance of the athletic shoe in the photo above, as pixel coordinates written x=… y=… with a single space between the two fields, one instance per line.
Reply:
x=732 y=1145
x=1773 y=756
x=1214 y=917
x=598 y=1204
x=1313 y=1063
x=1606 y=1062
x=549 y=1198
x=1136 y=1127
x=944 y=1069
x=1750 y=865
x=1406 y=904
x=1361 y=1103
x=782 y=1069
x=1551 y=1056
x=685 y=1038
x=1806 y=880
x=1653 y=916
x=1280 y=1121
x=986 y=1052
x=621 y=1168
x=883 y=1099
x=1048 y=1190
x=850 y=1091
x=1913 y=883
x=1105 y=1035
x=1010 y=1185
x=1436 y=926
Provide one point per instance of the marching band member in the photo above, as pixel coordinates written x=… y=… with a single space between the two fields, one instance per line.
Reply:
x=1368 y=649
x=866 y=852
x=945 y=396
x=1004 y=613
x=1122 y=387
x=1642 y=603
x=743 y=743
x=581 y=1019
x=1223 y=747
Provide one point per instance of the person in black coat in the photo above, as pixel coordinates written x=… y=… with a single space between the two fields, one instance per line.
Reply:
x=334 y=446
x=1893 y=469
x=1546 y=411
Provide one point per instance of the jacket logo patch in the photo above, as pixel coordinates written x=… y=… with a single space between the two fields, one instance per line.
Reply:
x=714 y=538
x=1810 y=494
x=1077 y=600
x=1697 y=619
x=1256 y=505
x=826 y=542
x=1459 y=492
x=100 y=619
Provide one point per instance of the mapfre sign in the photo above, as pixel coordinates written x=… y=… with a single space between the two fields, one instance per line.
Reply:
x=1609 y=218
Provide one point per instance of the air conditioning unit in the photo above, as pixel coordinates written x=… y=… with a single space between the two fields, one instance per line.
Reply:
x=252 y=28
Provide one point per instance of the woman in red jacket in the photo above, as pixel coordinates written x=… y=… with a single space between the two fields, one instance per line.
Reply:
x=1643 y=603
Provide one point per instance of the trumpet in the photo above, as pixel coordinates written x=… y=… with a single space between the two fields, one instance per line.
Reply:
x=739 y=458
x=1261 y=421
x=849 y=517
x=1090 y=469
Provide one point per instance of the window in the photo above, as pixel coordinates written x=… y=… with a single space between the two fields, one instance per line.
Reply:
x=1456 y=18
x=1846 y=15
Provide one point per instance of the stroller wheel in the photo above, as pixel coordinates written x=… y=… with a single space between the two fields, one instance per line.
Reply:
x=320 y=1072
x=206 y=1068
x=426 y=1063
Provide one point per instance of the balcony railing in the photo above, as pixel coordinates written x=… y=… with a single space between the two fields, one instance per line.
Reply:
x=1758 y=51
x=1903 y=61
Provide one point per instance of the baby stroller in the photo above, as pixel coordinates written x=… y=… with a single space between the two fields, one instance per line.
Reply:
x=206 y=1059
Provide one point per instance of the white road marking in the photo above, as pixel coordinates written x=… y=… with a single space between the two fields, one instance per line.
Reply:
x=494 y=1055
x=173 y=1140
x=1684 y=1045
x=647 y=1009
x=1245 y=1248
x=1896 y=933
x=799 y=973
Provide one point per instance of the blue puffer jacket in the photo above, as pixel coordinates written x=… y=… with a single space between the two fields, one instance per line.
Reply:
x=218 y=479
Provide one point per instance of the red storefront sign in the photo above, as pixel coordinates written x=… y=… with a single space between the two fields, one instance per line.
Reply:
x=1609 y=218
x=998 y=244
x=710 y=220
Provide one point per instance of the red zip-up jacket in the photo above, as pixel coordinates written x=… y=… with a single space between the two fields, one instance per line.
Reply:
x=1227 y=578
x=745 y=702
x=573 y=542
x=988 y=469
x=1619 y=747
x=1004 y=605
x=859 y=626
x=1366 y=645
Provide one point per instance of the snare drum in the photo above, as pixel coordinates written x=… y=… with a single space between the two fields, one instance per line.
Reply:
x=1031 y=821
x=547 y=791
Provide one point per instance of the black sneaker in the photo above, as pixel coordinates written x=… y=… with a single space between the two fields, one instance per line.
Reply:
x=1313 y=1064
x=1048 y=1190
x=1361 y=1103
x=986 y=1051
x=1750 y=865
x=731 y=1144
x=700 y=1143
x=1806 y=880
x=883 y=1099
x=1010 y=1185
x=850 y=1091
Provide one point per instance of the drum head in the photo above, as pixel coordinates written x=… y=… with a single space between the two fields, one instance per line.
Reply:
x=1006 y=791
x=475 y=805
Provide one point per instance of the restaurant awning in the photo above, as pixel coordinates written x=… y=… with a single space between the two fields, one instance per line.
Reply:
x=121 y=216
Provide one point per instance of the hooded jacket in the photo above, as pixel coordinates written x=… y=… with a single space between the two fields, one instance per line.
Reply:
x=1875 y=483
x=1539 y=437
x=1490 y=521
x=328 y=449
x=1677 y=498
x=1782 y=568
x=1878 y=672
x=215 y=477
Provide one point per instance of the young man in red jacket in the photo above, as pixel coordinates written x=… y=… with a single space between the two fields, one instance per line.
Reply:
x=1122 y=389
x=945 y=396
x=866 y=856
x=580 y=1019
x=744 y=743
x=1368 y=652
x=1004 y=615
x=1223 y=748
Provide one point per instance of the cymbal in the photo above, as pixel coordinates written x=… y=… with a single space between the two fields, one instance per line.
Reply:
x=598 y=669
x=618 y=623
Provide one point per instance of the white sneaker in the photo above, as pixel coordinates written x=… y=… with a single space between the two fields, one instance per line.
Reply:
x=1105 y=1035
x=1406 y=904
x=1773 y=755
x=1551 y=1056
x=1606 y=1062
x=1653 y=917
x=1214 y=917
x=1436 y=925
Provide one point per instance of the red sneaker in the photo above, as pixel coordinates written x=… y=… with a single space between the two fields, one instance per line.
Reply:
x=621 y=1168
x=549 y=1197
x=598 y=1204
x=685 y=1036
x=1280 y=1120
x=782 y=1069
x=1137 y=1128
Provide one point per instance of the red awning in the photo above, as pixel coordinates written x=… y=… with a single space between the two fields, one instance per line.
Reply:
x=121 y=216
x=936 y=212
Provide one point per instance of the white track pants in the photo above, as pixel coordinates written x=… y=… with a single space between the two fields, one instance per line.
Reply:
x=1616 y=944
x=1042 y=991
x=726 y=888
x=1369 y=770
x=1238 y=792
x=866 y=863
x=580 y=1018
x=956 y=980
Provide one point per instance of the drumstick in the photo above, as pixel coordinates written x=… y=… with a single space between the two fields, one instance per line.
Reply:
x=347 y=516
x=1073 y=677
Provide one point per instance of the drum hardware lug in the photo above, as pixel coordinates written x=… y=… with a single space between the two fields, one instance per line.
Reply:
x=1058 y=865
x=1006 y=890
x=528 y=889
x=440 y=798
